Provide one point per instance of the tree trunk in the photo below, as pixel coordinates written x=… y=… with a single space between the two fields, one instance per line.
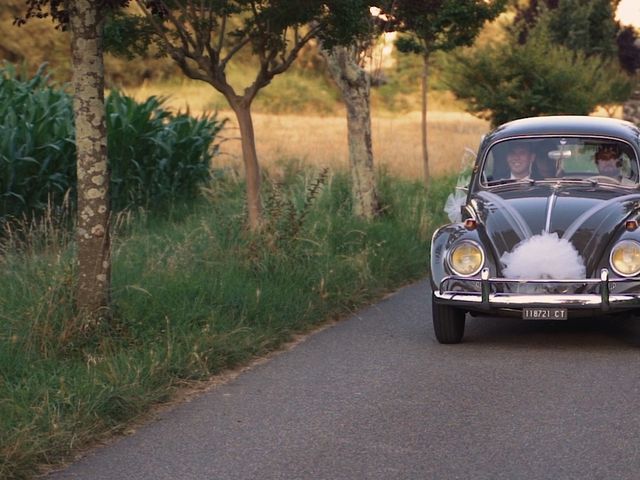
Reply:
x=94 y=248
x=242 y=109
x=631 y=108
x=355 y=86
x=425 y=84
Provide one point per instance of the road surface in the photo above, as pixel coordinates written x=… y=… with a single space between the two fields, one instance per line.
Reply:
x=376 y=397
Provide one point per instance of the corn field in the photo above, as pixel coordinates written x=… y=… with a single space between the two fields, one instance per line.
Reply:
x=155 y=157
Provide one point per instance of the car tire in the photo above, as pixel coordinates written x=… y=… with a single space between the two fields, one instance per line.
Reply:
x=448 y=323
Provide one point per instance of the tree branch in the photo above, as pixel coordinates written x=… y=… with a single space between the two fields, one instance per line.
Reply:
x=233 y=51
x=278 y=69
x=196 y=26
x=208 y=30
x=157 y=26
x=187 y=40
x=223 y=28
x=269 y=69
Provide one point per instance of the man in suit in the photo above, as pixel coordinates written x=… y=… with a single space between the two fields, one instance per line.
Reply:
x=520 y=157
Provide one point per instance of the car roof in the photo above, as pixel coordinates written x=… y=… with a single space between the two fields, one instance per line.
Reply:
x=568 y=125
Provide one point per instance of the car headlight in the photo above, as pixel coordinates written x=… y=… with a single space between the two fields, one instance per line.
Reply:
x=466 y=258
x=625 y=258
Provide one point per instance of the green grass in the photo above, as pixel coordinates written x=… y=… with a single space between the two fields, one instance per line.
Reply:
x=194 y=293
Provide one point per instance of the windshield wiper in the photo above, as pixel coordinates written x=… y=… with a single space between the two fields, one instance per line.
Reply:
x=577 y=179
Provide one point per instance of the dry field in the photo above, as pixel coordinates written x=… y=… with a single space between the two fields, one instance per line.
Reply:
x=322 y=141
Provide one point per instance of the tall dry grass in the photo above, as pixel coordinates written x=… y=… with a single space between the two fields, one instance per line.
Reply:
x=322 y=140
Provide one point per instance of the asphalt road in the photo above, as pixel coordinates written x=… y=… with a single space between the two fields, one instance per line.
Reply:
x=376 y=397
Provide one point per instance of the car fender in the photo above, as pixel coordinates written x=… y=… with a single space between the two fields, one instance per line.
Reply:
x=445 y=238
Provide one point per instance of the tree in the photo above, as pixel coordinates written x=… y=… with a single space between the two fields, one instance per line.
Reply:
x=85 y=19
x=346 y=65
x=203 y=37
x=545 y=67
x=354 y=83
x=589 y=26
x=586 y=26
x=629 y=55
x=508 y=81
x=629 y=49
x=432 y=25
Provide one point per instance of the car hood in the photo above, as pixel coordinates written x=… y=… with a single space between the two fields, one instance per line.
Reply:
x=587 y=216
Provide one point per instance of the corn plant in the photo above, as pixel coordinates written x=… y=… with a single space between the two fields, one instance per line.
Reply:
x=36 y=144
x=155 y=157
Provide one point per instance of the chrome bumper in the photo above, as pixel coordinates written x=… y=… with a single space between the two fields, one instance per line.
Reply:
x=486 y=299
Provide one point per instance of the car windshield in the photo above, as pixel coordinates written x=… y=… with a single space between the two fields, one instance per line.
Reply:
x=561 y=158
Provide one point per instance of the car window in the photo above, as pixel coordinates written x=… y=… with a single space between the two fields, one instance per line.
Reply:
x=569 y=158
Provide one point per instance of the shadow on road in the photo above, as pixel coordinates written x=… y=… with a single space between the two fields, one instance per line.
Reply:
x=599 y=333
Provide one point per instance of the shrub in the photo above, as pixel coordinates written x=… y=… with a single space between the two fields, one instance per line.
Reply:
x=155 y=157
x=508 y=81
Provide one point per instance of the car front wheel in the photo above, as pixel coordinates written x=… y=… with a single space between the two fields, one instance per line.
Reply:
x=448 y=323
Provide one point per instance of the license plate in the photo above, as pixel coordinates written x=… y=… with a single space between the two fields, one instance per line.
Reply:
x=544 y=313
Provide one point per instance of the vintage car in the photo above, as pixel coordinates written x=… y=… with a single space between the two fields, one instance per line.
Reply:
x=548 y=228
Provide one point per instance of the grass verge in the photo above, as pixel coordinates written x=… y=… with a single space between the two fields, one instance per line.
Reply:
x=194 y=294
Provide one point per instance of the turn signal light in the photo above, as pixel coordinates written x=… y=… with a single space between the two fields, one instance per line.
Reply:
x=470 y=224
x=631 y=225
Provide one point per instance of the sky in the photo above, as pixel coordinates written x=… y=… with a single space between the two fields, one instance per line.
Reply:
x=629 y=12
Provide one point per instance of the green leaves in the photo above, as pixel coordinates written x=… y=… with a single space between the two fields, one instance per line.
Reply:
x=36 y=143
x=169 y=158
x=509 y=81
x=442 y=24
x=587 y=26
x=155 y=157
x=558 y=58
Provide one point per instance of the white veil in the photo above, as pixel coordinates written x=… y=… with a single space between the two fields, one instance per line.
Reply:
x=457 y=199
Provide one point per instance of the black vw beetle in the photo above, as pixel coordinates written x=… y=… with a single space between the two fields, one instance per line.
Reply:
x=548 y=228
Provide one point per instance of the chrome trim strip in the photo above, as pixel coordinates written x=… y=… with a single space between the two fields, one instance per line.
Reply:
x=497 y=300
x=487 y=300
x=534 y=281
x=550 y=204
x=486 y=287
x=604 y=288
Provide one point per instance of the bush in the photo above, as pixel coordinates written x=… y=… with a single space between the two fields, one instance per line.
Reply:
x=155 y=157
x=508 y=81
